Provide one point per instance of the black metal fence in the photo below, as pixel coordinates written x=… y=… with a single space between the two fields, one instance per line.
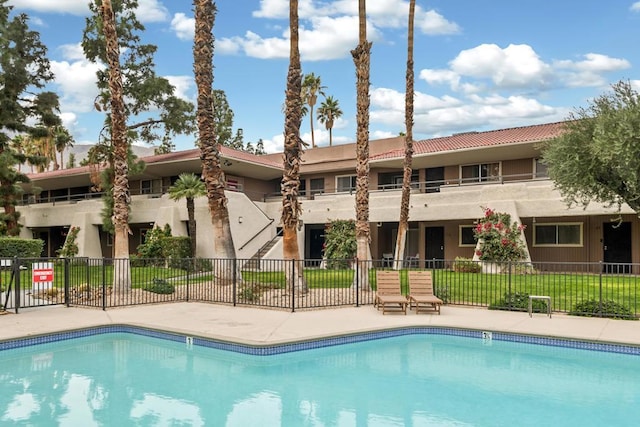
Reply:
x=593 y=289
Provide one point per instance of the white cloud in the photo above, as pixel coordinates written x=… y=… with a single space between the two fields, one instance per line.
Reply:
x=513 y=66
x=182 y=85
x=148 y=10
x=72 y=52
x=595 y=63
x=75 y=7
x=183 y=26
x=635 y=84
x=635 y=7
x=77 y=83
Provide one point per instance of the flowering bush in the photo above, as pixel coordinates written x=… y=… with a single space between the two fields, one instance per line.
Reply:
x=499 y=238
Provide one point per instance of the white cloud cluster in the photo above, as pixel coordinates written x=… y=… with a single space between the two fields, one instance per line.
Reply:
x=183 y=26
x=148 y=10
x=635 y=7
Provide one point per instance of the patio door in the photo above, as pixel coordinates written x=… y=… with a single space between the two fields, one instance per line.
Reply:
x=616 y=248
x=434 y=247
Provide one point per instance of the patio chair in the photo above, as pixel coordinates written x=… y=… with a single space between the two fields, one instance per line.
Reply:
x=389 y=293
x=421 y=294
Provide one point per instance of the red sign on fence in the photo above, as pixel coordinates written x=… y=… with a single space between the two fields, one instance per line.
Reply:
x=42 y=275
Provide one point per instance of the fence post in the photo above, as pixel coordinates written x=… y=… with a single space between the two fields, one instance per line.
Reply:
x=66 y=281
x=509 y=286
x=104 y=285
x=357 y=281
x=600 y=291
x=293 y=285
x=192 y=264
x=17 y=291
x=235 y=280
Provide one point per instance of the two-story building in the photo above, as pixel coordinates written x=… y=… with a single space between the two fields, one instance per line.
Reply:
x=453 y=178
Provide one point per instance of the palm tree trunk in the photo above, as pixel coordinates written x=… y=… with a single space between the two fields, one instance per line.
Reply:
x=121 y=196
x=408 y=145
x=205 y=11
x=292 y=156
x=191 y=213
x=362 y=59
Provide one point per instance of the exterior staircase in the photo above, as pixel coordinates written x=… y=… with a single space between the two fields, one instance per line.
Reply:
x=253 y=263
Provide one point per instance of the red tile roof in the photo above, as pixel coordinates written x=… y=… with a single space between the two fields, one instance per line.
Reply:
x=469 y=140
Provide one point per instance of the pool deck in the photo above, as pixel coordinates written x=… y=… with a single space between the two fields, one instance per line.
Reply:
x=254 y=326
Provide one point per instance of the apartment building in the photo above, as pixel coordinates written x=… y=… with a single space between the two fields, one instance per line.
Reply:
x=453 y=178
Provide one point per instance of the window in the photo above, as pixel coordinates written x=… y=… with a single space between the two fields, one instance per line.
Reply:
x=466 y=236
x=317 y=185
x=345 y=183
x=539 y=169
x=480 y=173
x=146 y=187
x=565 y=234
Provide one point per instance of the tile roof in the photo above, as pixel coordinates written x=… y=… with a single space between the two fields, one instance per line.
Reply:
x=469 y=140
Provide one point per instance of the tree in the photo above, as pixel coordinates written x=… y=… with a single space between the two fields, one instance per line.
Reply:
x=403 y=224
x=189 y=187
x=597 y=157
x=62 y=140
x=311 y=87
x=156 y=114
x=362 y=60
x=24 y=72
x=205 y=11
x=121 y=195
x=293 y=149
x=328 y=112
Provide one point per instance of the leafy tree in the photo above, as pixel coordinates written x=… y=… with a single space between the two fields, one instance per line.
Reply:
x=311 y=87
x=157 y=115
x=71 y=161
x=403 y=224
x=328 y=112
x=597 y=158
x=24 y=72
x=293 y=149
x=340 y=243
x=362 y=60
x=189 y=187
x=205 y=12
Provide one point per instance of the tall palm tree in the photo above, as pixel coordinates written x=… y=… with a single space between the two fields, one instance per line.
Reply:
x=362 y=59
x=214 y=179
x=328 y=112
x=62 y=140
x=293 y=148
x=188 y=186
x=311 y=87
x=408 y=144
x=121 y=195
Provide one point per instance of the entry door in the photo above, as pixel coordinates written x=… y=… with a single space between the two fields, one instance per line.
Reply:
x=616 y=242
x=434 y=246
x=316 y=241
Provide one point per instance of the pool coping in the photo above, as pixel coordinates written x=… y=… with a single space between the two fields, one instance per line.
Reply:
x=318 y=342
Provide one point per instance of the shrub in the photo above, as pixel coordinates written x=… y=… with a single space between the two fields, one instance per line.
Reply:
x=152 y=246
x=466 y=265
x=176 y=250
x=70 y=247
x=340 y=244
x=160 y=286
x=610 y=309
x=518 y=302
x=499 y=238
x=22 y=248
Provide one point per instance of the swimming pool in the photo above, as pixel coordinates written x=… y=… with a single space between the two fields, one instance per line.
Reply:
x=121 y=375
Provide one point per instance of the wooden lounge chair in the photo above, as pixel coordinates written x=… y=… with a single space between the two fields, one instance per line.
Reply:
x=421 y=294
x=389 y=293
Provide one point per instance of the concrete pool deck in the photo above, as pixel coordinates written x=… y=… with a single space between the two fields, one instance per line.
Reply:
x=254 y=326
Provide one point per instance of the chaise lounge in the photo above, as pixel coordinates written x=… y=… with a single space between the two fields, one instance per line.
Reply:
x=389 y=292
x=421 y=294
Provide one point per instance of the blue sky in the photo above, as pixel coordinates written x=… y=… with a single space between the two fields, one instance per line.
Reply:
x=479 y=65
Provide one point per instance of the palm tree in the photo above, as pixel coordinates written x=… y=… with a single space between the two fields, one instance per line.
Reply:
x=62 y=140
x=408 y=144
x=311 y=87
x=214 y=179
x=121 y=195
x=293 y=148
x=188 y=186
x=362 y=60
x=328 y=112
x=19 y=145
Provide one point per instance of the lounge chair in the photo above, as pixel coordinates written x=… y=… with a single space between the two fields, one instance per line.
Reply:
x=421 y=294
x=389 y=293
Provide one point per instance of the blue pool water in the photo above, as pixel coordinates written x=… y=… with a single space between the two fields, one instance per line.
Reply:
x=121 y=379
